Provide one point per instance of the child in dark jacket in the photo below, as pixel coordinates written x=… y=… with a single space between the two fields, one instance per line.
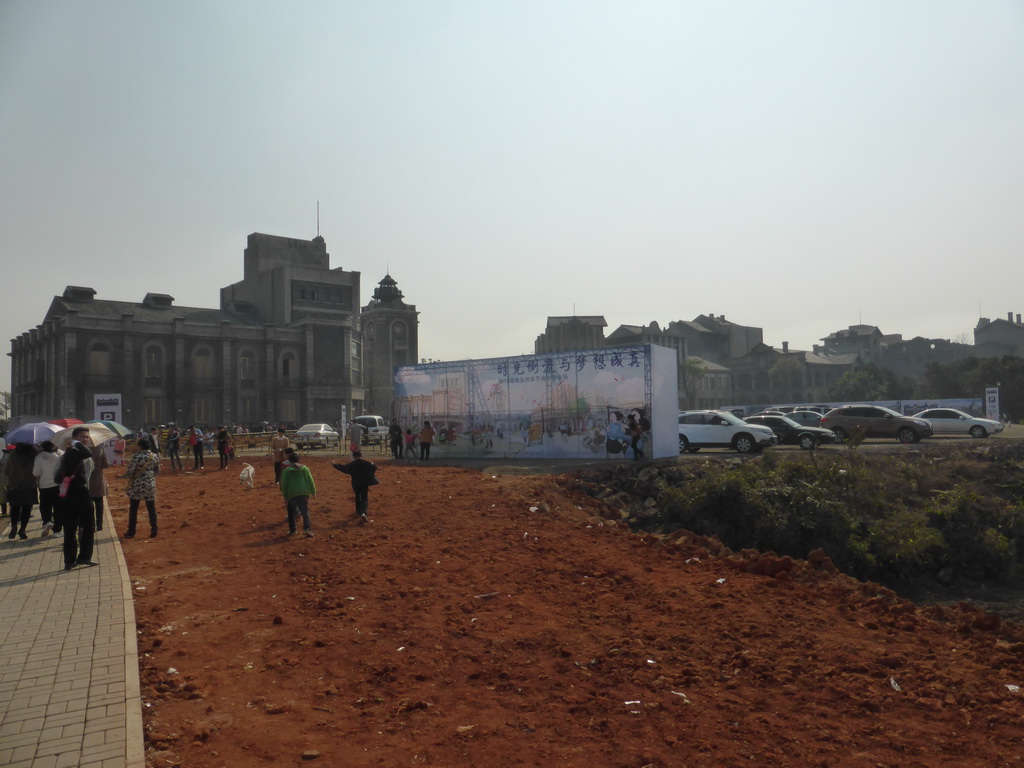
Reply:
x=363 y=474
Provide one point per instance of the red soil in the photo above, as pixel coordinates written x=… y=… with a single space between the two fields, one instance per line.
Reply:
x=496 y=620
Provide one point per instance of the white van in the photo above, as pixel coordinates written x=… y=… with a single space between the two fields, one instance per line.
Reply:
x=376 y=429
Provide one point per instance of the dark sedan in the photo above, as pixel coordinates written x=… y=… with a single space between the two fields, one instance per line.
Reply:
x=790 y=432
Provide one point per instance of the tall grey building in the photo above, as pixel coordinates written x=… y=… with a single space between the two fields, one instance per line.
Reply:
x=286 y=346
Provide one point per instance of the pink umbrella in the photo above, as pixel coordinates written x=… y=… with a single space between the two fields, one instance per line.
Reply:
x=65 y=422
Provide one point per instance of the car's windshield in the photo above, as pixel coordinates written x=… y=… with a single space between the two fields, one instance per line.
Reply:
x=889 y=411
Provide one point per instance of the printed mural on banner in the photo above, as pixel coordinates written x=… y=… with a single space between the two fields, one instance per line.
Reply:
x=580 y=404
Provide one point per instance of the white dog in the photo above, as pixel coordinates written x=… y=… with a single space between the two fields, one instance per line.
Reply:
x=245 y=478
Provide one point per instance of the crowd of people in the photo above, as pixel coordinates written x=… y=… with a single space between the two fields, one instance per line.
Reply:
x=69 y=487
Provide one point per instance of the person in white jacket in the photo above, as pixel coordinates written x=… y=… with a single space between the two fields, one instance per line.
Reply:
x=45 y=470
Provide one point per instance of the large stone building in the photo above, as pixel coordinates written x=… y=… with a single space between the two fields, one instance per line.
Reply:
x=289 y=344
x=720 y=362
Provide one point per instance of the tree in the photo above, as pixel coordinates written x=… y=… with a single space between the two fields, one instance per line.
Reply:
x=787 y=376
x=690 y=372
x=869 y=382
x=5 y=408
x=971 y=377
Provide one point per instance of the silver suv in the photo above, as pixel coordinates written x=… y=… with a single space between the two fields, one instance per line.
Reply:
x=720 y=429
x=875 y=421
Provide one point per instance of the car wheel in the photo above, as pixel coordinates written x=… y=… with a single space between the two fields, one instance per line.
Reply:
x=978 y=431
x=684 y=444
x=841 y=435
x=906 y=435
x=743 y=444
x=807 y=441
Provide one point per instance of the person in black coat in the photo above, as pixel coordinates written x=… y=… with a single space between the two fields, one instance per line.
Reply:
x=363 y=474
x=74 y=505
x=21 y=487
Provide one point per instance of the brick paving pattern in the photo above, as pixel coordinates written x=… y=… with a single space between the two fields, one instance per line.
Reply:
x=69 y=673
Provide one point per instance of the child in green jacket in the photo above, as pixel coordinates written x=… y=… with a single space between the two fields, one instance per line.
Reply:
x=297 y=486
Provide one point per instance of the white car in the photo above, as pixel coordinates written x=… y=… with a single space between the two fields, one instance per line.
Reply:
x=375 y=429
x=315 y=436
x=720 y=429
x=949 y=421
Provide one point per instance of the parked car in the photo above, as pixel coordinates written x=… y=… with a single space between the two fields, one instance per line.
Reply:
x=949 y=421
x=807 y=418
x=789 y=432
x=875 y=421
x=316 y=436
x=720 y=429
x=375 y=429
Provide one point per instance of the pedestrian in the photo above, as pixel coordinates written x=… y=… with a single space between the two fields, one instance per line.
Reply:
x=142 y=472
x=3 y=476
x=223 y=446
x=21 y=488
x=395 y=436
x=74 y=511
x=154 y=440
x=355 y=436
x=426 y=438
x=410 y=445
x=363 y=474
x=174 y=446
x=44 y=468
x=297 y=486
x=195 y=439
x=98 y=483
x=278 y=445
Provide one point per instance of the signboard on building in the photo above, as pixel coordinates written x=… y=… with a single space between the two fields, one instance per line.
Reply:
x=559 y=405
x=106 y=407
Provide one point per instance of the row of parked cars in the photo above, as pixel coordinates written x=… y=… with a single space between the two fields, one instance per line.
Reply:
x=814 y=426
x=375 y=430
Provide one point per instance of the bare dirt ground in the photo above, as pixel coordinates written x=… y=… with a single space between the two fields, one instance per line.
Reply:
x=484 y=619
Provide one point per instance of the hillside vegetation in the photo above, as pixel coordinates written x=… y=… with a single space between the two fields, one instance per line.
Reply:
x=943 y=513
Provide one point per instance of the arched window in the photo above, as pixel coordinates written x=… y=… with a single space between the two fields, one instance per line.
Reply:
x=399 y=336
x=100 y=359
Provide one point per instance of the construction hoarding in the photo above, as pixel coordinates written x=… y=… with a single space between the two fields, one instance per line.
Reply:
x=565 y=405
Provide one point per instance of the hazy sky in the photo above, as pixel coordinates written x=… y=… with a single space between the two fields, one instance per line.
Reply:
x=799 y=166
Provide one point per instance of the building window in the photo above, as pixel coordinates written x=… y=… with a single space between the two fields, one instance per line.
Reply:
x=202 y=363
x=289 y=369
x=247 y=367
x=247 y=410
x=99 y=361
x=152 y=410
x=289 y=409
x=203 y=411
x=153 y=362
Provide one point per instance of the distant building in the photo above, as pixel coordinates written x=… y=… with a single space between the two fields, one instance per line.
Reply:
x=286 y=346
x=1000 y=337
x=566 y=333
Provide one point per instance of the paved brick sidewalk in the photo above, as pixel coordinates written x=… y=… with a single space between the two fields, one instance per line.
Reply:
x=69 y=673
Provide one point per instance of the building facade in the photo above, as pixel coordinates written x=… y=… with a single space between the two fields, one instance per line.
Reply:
x=285 y=347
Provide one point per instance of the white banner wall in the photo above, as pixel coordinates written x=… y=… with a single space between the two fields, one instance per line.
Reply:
x=566 y=405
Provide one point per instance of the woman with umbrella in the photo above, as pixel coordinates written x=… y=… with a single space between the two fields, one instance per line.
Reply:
x=142 y=471
x=21 y=487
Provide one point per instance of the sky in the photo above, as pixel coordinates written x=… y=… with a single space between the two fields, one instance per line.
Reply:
x=796 y=166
